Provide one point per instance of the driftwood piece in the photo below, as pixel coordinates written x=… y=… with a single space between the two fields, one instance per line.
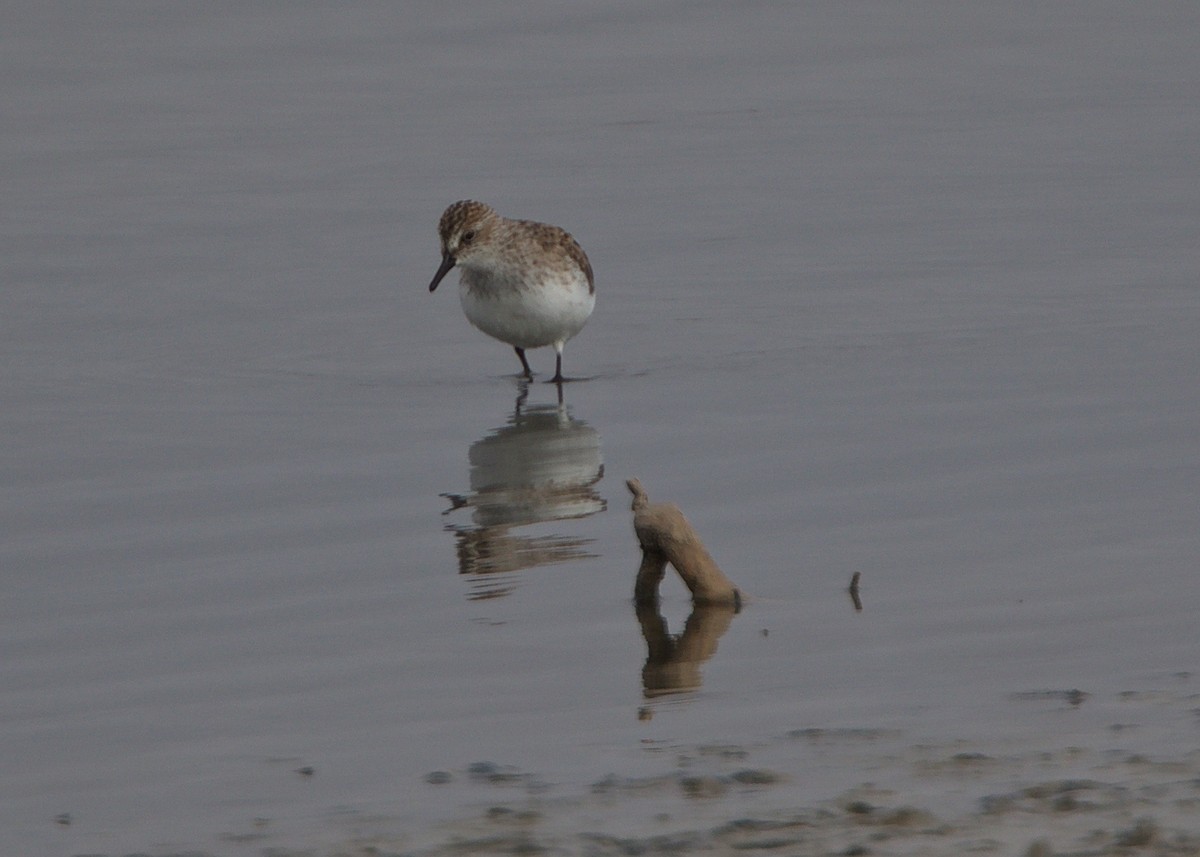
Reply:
x=666 y=536
x=853 y=590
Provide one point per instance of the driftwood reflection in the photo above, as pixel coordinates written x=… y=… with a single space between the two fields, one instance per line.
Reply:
x=673 y=663
x=542 y=465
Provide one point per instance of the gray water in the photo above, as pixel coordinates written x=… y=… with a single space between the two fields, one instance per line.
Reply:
x=909 y=290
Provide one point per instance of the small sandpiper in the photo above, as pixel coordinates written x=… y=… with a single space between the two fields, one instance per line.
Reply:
x=528 y=284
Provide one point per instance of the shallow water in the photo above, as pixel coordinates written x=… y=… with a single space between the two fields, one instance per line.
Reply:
x=904 y=291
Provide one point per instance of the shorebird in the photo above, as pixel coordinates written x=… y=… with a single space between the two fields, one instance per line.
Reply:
x=525 y=283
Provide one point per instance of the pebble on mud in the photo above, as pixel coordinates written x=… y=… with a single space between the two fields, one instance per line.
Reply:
x=1039 y=848
x=1143 y=833
x=756 y=777
x=702 y=787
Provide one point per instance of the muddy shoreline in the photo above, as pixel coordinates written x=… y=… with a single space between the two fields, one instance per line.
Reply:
x=1106 y=796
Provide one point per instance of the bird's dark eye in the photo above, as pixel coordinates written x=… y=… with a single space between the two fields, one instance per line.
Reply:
x=468 y=236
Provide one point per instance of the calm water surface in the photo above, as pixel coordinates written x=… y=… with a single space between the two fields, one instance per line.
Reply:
x=910 y=291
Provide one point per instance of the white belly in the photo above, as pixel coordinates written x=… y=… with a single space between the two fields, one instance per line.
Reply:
x=526 y=316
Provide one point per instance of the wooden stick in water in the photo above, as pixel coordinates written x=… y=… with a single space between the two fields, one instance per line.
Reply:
x=666 y=536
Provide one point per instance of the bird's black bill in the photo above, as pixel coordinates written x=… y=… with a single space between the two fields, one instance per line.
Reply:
x=447 y=264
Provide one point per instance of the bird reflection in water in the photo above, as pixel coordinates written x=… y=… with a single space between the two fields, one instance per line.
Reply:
x=541 y=466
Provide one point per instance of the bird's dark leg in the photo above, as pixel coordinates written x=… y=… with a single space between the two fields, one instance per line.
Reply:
x=524 y=363
x=558 y=378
